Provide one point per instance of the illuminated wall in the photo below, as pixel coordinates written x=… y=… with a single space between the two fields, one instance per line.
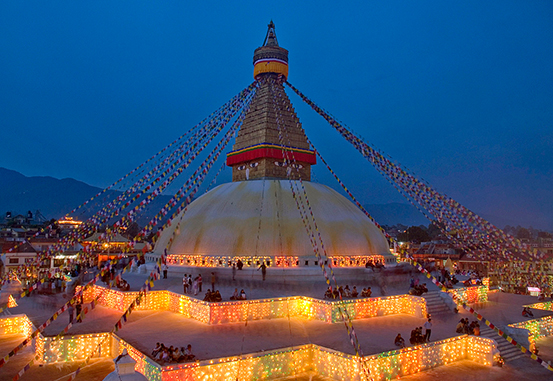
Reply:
x=538 y=328
x=144 y=364
x=282 y=307
x=333 y=364
x=277 y=261
x=71 y=348
x=283 y=362
x=475 y=294
x=16 y=324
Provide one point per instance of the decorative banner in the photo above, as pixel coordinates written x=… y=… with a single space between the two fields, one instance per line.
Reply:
x=484 y=239
x=309 y=221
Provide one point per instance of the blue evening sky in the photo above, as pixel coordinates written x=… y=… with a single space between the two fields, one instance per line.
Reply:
x=461 y=93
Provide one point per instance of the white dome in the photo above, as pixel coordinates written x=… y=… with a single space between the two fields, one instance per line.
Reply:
x=260 y=217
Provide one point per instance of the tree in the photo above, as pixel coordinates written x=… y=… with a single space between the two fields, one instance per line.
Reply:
x=523 y=233
x=414 y=234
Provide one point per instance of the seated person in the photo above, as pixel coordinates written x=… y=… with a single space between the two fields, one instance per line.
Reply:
x=235 y=295
x=157 y=349
x=369 y=292
x=243 y=295
x=413 y=338
x=217 y=296
x=189 y=355
x=526 y=312
x=354 y=292
x=399 y=341
x=347 y=292
x=208 y=296
x=182 y=354
x=328 y=293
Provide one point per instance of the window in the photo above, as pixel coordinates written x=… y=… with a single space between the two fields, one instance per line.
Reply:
x=14 y=260
x=307 y=263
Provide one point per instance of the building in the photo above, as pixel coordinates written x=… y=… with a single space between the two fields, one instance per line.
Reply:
x=257 y=218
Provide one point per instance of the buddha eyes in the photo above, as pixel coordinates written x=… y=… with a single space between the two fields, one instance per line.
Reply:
x=283 y=164
x=251 y=165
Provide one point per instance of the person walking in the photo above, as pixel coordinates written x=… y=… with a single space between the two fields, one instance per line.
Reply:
x=184 y=283
x=71 y=311
x=213 y=281
x=78 y=309
x=428 y=328
x=263 y=270
x=165 y=268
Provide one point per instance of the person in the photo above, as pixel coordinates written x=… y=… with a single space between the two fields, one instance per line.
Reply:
x=235 y=295
x=184 y=283
x=233 y=271
x=369 y=292
x=328 y=293
x=413 y=339
x=189 y=355
x=200 y=280
x=541 y=297
x=428 y=330
x=239 y=264
x=212 y=280
x=190 y=283
x=354 y=292
x=263 y=269
x=195 y=286
x=347 y=292
x=78 y=309
x=527 y=313
x=399 y=341
x=243 y=295
x=217 y=296
x=182 y=354
x=165 y=268
x=207 y=297
x=156 y=350
x=71 y=311
x=460 y=326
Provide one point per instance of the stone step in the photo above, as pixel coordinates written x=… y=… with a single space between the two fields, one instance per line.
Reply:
x=508 y=351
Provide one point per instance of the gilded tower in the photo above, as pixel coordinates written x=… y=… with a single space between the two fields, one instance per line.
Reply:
x=271 y=143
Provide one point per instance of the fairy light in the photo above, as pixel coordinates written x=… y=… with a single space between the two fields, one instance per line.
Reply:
x=280 y=261
x=277 y=363
x=258 y=309
x=475 y=294
x=16 y=324
x=538 y=328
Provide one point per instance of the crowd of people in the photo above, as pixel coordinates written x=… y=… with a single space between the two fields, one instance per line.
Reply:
x=417 y=335
x=214 y=296
x=346 y=292
x=163 y=354
x=472 y=328
x=192 y=286
x=375 y=265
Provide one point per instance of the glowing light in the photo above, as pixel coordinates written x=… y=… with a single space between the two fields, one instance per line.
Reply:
x=239 y=311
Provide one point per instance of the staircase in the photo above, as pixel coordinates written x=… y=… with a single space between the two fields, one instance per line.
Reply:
x=507 y=350
x=435 y=305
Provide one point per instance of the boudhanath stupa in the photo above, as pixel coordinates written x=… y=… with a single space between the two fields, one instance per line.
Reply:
x=257 y=218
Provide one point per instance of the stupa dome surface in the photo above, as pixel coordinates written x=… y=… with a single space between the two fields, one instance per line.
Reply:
x=260 y=217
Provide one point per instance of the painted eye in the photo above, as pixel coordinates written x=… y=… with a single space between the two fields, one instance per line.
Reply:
x=297 y=166
x=253 y=165
x=241 y=168
x=280 y=164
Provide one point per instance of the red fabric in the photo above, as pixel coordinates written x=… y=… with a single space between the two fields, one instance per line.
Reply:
x=273 y=153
